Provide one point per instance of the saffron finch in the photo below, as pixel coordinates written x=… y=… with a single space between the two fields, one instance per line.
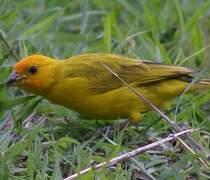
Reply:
x=83 y=84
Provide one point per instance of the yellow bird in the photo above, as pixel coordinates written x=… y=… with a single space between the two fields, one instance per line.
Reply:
x=83 y=84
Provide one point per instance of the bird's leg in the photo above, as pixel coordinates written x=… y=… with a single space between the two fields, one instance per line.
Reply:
x=120 y=126
x=134 y=118
x=96 y=124
x=123 y=125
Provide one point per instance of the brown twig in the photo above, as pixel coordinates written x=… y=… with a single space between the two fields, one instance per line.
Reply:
x=133 y=161
x=129 y=154
x=198 y=146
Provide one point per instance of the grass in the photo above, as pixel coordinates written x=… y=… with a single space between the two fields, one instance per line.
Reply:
x=39 y=140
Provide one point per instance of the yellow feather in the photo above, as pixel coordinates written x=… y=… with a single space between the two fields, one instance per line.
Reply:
x=81 y=83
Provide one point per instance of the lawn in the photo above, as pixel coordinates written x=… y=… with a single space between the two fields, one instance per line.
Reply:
x=41 y=140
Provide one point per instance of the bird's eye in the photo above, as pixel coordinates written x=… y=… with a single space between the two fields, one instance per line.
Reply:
x=33 y=69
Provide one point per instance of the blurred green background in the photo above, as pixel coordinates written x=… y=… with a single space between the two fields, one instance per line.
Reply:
x=39 y=140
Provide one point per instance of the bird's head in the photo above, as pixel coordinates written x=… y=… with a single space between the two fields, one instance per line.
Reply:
x=34 y=73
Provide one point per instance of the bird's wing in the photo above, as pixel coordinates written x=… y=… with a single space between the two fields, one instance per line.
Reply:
x=139 y=72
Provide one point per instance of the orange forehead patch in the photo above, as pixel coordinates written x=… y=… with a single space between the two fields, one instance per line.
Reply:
x=25 y=63
x=20 y=66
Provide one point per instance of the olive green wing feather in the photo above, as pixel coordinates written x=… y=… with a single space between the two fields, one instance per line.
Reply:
x=131 y=70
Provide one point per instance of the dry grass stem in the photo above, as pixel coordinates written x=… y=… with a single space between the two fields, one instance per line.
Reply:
x=129 y=154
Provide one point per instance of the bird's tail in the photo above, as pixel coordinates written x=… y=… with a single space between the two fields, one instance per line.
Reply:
x=201 y=85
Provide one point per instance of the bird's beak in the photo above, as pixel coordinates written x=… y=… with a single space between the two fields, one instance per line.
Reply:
x=14 y=77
